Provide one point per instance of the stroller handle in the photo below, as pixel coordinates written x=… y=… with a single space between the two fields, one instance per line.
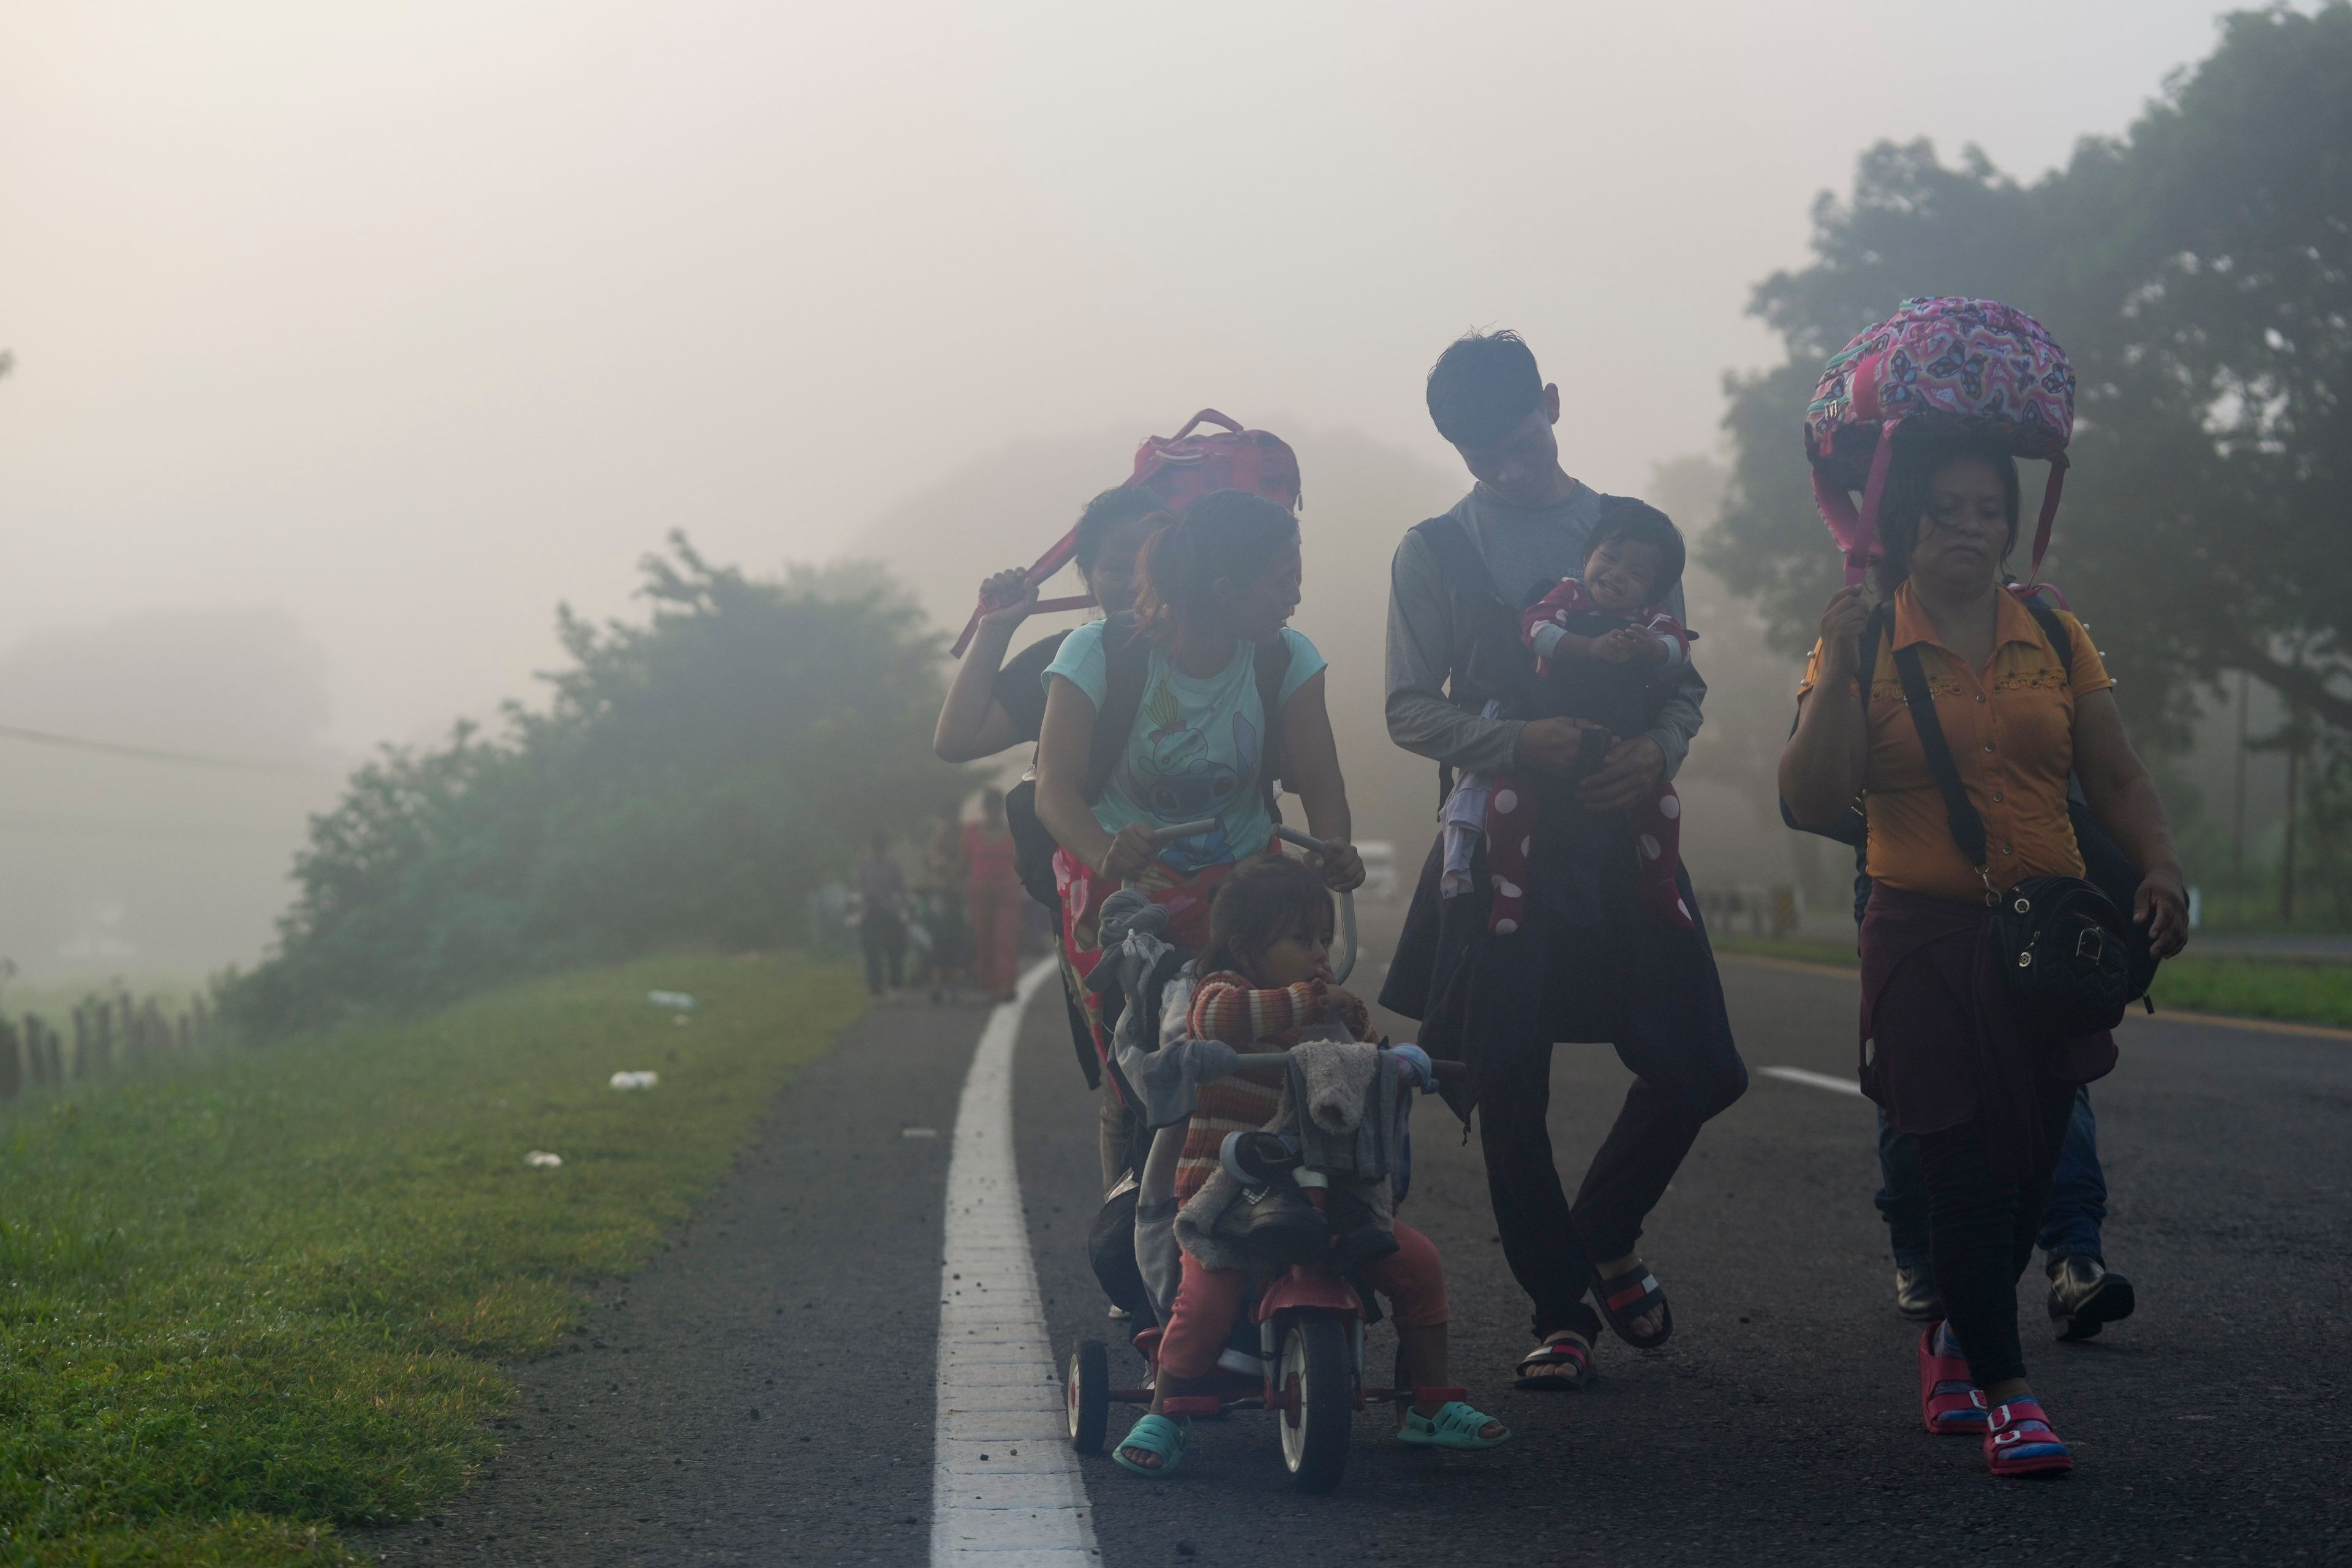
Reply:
x=1346 y=963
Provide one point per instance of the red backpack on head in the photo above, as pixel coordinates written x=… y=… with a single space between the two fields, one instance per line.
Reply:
x=1183 y=468
x=1180 y=470
x=1946 y=364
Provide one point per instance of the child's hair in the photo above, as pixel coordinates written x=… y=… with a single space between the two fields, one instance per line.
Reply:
x=1625 y=520
x=1262 y=902
x=1225 y=534
x=1111 y=511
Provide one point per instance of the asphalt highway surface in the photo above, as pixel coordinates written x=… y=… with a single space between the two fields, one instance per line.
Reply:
x=1780 y=1425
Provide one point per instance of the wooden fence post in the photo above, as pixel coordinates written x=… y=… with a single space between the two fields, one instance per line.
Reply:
x=12 y=1074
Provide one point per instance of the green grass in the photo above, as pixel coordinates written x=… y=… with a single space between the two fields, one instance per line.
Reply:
x=2288 y=991
x=2258 y=988
x=248 y=1300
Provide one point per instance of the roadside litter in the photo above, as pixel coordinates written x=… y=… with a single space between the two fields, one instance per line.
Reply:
x=542 y=1159
x=677 y=1000
x=635 y=1079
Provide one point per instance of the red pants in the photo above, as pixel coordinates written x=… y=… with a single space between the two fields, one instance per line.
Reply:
x=994 y=909
x=1209 y=1299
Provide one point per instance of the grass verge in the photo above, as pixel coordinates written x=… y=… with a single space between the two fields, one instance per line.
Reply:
x=2279 y=989
x=245 y=1300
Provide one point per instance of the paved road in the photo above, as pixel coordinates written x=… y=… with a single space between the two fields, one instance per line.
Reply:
x=1780 y=1425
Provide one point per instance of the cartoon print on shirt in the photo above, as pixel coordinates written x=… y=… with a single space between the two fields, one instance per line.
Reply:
x=1172 y=774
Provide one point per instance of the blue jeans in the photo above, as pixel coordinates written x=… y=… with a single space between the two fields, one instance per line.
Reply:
x=2070 y=1222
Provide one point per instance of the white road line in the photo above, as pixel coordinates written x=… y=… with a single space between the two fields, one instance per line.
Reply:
x=1005 y=1488
x=1813 y=1079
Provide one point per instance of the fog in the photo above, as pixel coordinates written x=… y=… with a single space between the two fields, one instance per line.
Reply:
x=349 y=340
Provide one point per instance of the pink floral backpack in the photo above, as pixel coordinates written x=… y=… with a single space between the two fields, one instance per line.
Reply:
x=1946 y=364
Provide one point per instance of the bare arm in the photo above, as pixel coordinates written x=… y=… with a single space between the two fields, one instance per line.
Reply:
x=2123 y=798
x=972 y=722
x=1064 y=748
x=1822 y=766
x=1310 y=758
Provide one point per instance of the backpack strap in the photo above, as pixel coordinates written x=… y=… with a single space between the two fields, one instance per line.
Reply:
x=2055 y=630
x=1494 y=623
x=1270 y=664
x=1126 y=660
x=1967 y=827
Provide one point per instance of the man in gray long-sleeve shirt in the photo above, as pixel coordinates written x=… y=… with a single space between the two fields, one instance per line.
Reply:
x=1528 y=522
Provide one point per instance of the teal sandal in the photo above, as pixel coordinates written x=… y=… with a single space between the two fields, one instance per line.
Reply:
x=1155 y=1434
x=1455 y=1426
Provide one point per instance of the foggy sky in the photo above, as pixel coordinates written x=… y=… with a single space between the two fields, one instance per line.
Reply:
x=408 y=319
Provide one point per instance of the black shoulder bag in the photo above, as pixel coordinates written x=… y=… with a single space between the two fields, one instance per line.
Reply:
x=2065 y=948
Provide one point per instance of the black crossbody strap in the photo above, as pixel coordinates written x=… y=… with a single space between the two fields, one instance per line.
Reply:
x=1967 y=827
x=1494 y=623
x=1127 y=659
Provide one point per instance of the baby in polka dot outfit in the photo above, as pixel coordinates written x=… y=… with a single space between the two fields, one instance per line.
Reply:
x=1609 y=618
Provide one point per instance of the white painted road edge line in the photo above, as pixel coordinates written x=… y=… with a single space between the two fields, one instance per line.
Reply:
x=1005 y=1488
x=1813 y=1079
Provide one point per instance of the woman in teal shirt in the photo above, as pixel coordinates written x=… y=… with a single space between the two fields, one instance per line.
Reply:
x=1218 y=587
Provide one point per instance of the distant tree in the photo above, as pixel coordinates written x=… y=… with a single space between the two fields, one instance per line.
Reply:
x=692 y=779
x=2199 y=271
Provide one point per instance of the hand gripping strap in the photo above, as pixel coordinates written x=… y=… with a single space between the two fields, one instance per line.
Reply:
x=1052 y=561
x=1856 y=532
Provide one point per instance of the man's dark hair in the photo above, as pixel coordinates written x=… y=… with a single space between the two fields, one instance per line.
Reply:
x=1482 y=386
x=1115 y=508
x=1626 y=521
x=1262 y=902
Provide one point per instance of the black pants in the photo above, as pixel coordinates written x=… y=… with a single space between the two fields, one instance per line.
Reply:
x=1550 y=1244
x=1981 y=1231
x=884 y=938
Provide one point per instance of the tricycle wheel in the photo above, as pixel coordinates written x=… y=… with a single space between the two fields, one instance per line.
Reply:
x=1316 y=1388
x=1087 y=1394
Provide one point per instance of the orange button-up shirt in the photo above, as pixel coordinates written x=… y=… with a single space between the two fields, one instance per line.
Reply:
x=2011 y=730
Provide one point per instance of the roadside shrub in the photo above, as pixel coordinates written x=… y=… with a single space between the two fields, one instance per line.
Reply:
x=691 y=779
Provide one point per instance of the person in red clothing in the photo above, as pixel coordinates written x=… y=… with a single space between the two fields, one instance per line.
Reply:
x=992 y=898
x=1266 y=978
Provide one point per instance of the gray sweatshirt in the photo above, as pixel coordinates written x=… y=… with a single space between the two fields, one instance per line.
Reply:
x=1527 y=550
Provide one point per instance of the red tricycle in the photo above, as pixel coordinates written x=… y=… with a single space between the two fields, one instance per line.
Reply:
x=1310 y=1364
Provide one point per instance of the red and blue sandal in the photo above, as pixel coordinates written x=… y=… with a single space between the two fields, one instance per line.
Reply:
x=1564 y=1361
x=1949 y=1404
x=2019 y=1441
x=1627 y=1296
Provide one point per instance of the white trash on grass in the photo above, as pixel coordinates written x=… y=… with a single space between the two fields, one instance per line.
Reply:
x=635 y=1079
x=542 y=1159
x=678 y=1001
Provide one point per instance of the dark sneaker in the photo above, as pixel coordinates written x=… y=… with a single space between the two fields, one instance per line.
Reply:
x=2084 y=1298
x=1915 y=1295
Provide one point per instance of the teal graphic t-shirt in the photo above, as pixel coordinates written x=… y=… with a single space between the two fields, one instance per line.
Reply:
x=1195 y=749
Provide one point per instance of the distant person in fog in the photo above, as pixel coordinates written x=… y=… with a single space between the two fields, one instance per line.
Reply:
x=992 y=898
x=882 y=925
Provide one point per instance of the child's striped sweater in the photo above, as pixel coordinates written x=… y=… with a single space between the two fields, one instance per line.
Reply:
x=1227 y=1007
